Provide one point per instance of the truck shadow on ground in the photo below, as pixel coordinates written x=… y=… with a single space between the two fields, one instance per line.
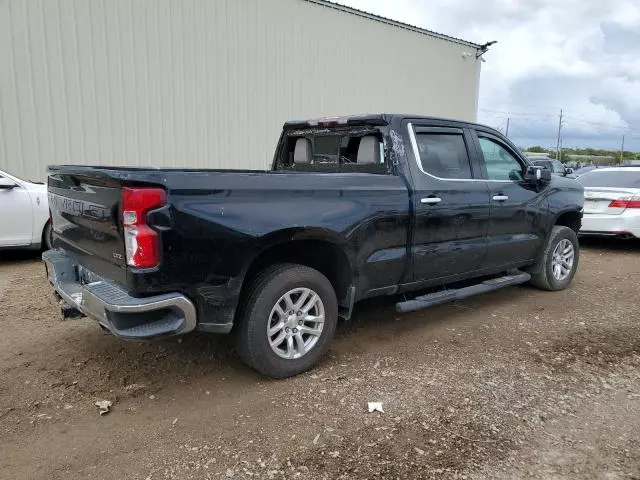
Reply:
x=93 y=362
x=374 y=328
x=78 y=351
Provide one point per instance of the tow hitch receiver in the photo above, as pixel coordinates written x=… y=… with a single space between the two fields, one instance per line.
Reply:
x=69 y=311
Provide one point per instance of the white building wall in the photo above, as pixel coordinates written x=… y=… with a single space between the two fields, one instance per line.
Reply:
x=204 y=83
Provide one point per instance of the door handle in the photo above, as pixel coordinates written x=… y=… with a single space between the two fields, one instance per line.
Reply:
x=430 y=200
x=500 y=198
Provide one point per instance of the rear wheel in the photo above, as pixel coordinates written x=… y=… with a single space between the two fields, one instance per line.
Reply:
x=287 y=320
x=559 y=262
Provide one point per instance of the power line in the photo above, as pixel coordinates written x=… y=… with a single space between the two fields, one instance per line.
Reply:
x=597 y=124
x=522 y=114
x=531 y=105
x=567 y=121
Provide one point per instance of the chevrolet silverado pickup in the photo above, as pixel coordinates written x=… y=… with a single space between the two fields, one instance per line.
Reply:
x=352 y=207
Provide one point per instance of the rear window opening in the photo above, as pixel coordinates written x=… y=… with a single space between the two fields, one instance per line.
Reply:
x=333 y=151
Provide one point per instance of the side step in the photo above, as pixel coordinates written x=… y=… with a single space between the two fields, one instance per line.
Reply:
x=444 y=296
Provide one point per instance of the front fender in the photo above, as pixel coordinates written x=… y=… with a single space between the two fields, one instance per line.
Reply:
x=565 y=195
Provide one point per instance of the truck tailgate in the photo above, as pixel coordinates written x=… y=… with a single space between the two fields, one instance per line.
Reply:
x=85 y=219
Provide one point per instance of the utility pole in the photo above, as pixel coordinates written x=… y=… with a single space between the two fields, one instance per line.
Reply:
x=507 y=131
x=622 y=150
x=559 y=131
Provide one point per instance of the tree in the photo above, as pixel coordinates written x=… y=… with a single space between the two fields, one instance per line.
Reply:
x=564 y=155
x=537 y=149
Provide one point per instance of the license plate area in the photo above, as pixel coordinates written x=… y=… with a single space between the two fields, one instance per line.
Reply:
x=596 y=206
x=590 y=205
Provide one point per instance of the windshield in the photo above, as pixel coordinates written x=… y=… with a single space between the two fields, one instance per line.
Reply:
x=611 y=178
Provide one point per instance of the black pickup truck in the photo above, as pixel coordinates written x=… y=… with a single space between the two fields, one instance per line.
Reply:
x=353 y=207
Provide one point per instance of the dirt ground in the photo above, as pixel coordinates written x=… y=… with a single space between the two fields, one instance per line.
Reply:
x=515 y=384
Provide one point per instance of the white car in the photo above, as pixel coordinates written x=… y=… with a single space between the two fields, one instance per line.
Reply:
x=611 y=202
x=24 y=214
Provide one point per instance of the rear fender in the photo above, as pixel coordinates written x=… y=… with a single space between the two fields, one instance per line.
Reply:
x=298 y=245
x=294 y=234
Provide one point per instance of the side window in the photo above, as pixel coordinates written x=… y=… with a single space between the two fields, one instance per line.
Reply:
x=501 y=165
x=443 y=155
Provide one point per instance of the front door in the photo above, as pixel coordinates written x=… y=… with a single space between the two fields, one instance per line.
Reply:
x=518 y=208
x=451 y=205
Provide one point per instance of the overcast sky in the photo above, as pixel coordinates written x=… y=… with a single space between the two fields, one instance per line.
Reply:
x=579 y=55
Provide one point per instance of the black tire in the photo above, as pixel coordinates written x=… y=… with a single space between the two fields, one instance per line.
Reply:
x=47 y=237
x=542 y=273
x=252 y=342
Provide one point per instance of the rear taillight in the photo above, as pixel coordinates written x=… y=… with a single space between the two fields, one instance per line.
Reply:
x=623 y=203
x=141 y=241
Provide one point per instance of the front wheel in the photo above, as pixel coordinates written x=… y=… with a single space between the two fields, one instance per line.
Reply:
x=559 y=262
x=287 y=320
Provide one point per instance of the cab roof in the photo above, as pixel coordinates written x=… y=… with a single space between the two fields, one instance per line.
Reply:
x=379 y=119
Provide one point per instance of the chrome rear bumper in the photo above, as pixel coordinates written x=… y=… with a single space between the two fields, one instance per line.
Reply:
x=125 y=316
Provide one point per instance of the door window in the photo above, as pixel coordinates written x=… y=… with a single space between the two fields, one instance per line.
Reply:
x=443 y=155
x=500 y=163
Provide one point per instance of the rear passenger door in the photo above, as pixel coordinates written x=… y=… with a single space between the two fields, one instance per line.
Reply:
x=518 y=208
x=450 y=202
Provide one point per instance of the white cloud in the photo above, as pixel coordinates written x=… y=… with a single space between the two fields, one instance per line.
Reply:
x=579 y=55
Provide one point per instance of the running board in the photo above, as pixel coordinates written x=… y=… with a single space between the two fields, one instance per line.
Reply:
x=444 y=296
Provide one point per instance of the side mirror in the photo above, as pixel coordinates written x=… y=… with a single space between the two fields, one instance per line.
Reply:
x=536 y=174
x=568 y=171
x=7 y=184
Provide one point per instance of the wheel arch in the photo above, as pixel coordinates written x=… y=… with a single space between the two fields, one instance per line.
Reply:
x=319 y=249
x=569 y=218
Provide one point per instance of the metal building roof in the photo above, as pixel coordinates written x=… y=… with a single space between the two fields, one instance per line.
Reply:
x=388 y=21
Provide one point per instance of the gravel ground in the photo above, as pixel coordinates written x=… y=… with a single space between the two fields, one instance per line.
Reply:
x=515 y=384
